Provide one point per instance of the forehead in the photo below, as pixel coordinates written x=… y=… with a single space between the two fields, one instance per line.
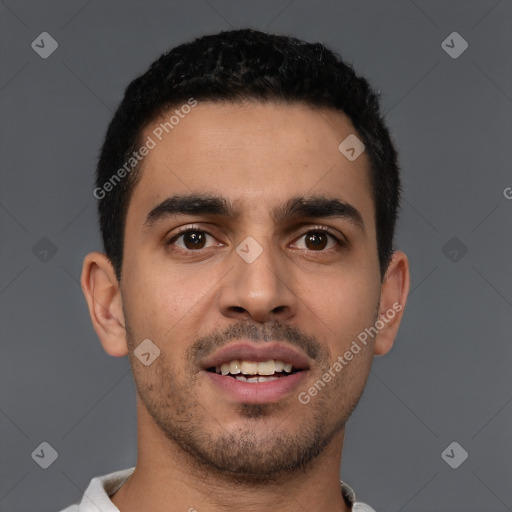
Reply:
x=256 y=154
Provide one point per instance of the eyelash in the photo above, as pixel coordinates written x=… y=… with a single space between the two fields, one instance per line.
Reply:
x=193 y=229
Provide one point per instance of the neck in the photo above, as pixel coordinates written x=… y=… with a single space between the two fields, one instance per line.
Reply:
x=167 y=479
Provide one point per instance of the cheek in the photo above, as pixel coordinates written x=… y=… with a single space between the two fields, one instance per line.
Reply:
x=346 y=308
x=351 y=379
x=155 y=299
x=345 y=300
x=160 y=385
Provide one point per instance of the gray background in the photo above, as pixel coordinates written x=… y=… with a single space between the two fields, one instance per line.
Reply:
x=448 y=377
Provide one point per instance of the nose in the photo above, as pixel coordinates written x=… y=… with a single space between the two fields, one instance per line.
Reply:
x=260 y=289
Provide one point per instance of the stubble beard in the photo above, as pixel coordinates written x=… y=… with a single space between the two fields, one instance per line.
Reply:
x=254 y=453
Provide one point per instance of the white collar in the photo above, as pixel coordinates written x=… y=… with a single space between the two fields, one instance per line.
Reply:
x=97 y=494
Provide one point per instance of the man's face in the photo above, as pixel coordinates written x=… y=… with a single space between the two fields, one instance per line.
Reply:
x=195 y=294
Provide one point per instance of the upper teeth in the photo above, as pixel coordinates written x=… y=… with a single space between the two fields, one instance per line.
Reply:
x=252 y=368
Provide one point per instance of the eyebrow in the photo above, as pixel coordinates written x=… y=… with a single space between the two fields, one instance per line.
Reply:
x=295 y=207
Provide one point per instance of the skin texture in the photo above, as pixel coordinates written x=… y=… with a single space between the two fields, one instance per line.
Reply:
x=197 y=448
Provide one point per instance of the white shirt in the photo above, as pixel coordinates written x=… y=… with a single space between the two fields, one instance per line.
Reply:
x=97 y=495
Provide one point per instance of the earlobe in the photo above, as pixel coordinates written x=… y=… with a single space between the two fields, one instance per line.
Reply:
x=394 y=291
x=103 y=295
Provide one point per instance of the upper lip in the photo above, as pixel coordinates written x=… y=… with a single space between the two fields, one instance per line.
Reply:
x=249 y=351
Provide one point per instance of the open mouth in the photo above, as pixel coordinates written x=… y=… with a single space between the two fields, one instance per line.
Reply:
x=251 y=371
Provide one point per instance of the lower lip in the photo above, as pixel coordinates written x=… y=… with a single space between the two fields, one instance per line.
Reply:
x=258 y=392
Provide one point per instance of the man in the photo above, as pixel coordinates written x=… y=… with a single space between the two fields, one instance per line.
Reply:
x=248 y=191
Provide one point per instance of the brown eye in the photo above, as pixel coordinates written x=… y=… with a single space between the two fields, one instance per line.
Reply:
x=317 y=240
x=193 y=239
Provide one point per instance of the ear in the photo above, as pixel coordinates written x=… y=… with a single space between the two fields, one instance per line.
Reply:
x=393 y=296
x=103 y=295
